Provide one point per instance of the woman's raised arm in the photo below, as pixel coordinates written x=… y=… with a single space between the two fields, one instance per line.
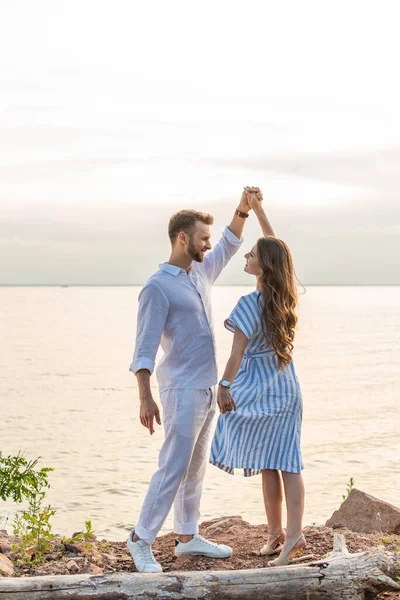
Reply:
x=255 y=202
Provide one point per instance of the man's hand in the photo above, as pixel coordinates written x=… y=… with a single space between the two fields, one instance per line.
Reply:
x=148 y=411
x=224 y=400
x=244 y=205
x=254 y=198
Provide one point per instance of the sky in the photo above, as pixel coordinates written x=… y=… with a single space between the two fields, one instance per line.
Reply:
x=113 y=115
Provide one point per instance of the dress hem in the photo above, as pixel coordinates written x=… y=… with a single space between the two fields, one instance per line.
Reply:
x=250 y=471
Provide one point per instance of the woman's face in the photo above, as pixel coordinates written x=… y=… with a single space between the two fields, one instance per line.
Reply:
x=252 y=267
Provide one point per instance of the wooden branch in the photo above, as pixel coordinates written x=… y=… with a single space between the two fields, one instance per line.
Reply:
x=339 y=546
x=342 y=576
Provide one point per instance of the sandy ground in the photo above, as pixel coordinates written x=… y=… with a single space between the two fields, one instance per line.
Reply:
x=95 y=556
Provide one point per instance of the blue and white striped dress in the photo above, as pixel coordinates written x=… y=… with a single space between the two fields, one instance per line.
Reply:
x=264 y=432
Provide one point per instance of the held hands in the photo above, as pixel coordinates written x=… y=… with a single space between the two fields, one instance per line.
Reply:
x=244 y=205
x=224 y=400
x=251 y=199
x=148 y=412
x=254 y=197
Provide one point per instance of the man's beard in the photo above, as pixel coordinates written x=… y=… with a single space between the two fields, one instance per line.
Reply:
x=196 y=255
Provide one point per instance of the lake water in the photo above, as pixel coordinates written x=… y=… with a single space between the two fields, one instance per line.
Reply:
x=67 y=396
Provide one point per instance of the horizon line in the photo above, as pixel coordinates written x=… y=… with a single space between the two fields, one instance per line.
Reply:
x=65 y=285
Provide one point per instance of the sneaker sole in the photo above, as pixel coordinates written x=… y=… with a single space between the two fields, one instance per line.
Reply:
x=208 y=555
x=134 y=562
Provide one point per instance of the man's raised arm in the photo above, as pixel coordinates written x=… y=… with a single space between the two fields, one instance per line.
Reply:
x=230 y=241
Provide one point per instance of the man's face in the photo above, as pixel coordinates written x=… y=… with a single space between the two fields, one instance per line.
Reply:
x=199 y=241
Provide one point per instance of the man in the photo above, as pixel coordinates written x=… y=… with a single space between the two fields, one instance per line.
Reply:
x=175 y=310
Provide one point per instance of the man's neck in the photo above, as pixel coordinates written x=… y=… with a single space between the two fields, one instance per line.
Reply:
x=183 y=262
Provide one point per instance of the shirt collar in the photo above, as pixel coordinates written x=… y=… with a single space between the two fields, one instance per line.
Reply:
x=172 y=269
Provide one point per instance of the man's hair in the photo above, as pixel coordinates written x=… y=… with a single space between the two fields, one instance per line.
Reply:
x=185 y=220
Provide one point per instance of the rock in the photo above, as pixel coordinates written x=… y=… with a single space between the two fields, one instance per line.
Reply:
x=72 y=566
x=96 y=558
x=6 y=566
x=5 y=546
x=235 y=530
x=76 y=533
x=52 y=556
x=110 y=559
x=366 y=514
x=3 y=533
x=215 y=530
x=217 y=526
x=223 y=521
x=74 y=548
x=91 y=569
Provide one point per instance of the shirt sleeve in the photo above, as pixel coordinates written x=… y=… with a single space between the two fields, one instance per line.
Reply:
x=152 y=314
x=245 y=316
x=221 y=254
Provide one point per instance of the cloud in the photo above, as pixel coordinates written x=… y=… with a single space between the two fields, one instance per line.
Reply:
x=374 y=170
x=31 y=109
x=45 y=170
x=123 y=243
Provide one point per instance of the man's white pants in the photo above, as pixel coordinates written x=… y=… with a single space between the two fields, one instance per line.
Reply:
x=188 y=417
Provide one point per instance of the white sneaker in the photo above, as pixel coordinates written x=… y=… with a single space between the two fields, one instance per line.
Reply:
x=199 y=546
x=143 y=556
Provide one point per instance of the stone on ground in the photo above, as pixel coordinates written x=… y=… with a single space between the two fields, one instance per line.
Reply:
x=6 y=566
x=363 y=513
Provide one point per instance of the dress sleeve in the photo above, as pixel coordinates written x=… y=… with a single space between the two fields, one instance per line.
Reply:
x=245 y=316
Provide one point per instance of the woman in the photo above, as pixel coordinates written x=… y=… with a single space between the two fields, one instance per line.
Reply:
x=259 y=395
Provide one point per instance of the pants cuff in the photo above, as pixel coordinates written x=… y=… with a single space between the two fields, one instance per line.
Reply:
x=190 y=528
x=145 y=535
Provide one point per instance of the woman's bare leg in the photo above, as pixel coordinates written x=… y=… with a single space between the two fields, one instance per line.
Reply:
x=294 y=494
x=294 y=541
x=273 y=497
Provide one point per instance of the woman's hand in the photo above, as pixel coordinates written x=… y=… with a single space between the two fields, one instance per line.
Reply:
x=254 y=198
x=244 y=205
x=224 y=400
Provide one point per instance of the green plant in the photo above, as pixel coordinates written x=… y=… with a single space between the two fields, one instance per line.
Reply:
x=20 y=480
x=33 y=527
x=349 y=487
x=86 y=534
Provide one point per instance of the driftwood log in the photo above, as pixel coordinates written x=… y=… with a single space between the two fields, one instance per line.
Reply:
x=340 y=576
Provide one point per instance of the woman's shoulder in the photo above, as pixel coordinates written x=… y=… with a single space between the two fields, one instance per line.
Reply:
x=250 y=305
x=250 y=299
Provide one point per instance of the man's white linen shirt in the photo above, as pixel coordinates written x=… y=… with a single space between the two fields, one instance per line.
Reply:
x=175 y=310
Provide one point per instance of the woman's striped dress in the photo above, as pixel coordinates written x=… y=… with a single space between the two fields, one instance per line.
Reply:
x=264 y=431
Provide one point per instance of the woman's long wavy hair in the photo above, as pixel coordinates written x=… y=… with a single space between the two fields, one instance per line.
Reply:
x=279 y=293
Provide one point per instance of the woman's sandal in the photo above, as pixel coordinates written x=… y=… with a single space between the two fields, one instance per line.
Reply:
x=274 y=545
x=286 y=557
